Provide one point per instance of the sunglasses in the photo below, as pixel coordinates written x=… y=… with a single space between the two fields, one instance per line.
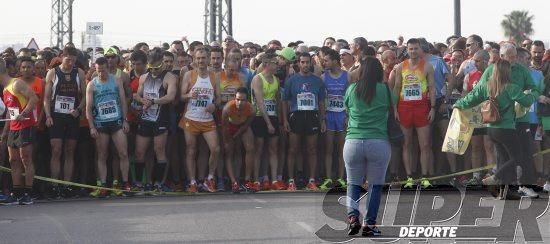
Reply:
x=154 y=68
x=110 y=57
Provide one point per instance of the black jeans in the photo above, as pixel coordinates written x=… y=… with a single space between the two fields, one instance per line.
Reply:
x=525 y=144
x=508 y=153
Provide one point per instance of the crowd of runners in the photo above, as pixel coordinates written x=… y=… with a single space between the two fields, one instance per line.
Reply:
x=235 y=116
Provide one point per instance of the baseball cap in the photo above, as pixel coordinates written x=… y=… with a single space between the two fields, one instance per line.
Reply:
x=287 y=53
x=110 y=51
x=345 y=51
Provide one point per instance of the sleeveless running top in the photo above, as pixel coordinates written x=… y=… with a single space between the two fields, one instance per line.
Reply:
x=16 y=103
x=270 y=91
x=236 y=116
x=65 y=93
x=228 y=87
x=196 y=107
x=336 y=89
x=153 y=88
x=106 y=107
x=414 y=85
x=133 y=111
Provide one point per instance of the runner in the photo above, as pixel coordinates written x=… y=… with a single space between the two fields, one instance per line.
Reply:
x=106 y=112
x=265 y=97
x=415 y=88
x=304 y=98
x=63 y=105
x=20 y=132
x=346 y=59
x=156 y=91
x=237 y=115
x=199 y=91
x=336 y=81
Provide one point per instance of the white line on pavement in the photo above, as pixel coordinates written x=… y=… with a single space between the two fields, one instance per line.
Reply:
x=305 y=226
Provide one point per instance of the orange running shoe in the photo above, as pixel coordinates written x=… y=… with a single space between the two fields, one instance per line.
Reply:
x=211 y=185
x=266 y=185
x=192 y=188
x=312 y=186
x=249 y=186
x=291 y=186
x=278 y=185
x=257 y=186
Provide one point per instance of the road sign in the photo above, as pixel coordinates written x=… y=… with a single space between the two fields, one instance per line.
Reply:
x=94 y=28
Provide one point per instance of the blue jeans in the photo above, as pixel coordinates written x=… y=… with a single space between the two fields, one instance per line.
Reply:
x=371 y=156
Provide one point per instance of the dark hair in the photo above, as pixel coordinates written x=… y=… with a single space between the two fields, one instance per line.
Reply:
x=177 y=42
x=391 y=42
x=344 y=42
x=494 y=45
x=333 y=55
x=538 y=43
x=303 y=55
x=324 y=50
x=70 y=51
x=216 y=50
x=363 y=43
x=139 y=45
x=243 y=90
x=25 y=59
x=371 y=74
x=413 y=41
x=167 y=54
x=101 y=61
x=448 y=40
x=155 y=55
x=276 y=42
x=477 y=39
x=369 y=51
x=194 y=44
x=329 y=38
x=523 y=50
x=139 y=55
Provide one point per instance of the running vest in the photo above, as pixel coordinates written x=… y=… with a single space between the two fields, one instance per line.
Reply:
x=153 y=88
x=473 y=78
x=196 y=107
x=38 y=89
x=336 y=89
x=65 y=92
x=228 y=87
x=106 y=107
x=270 y=96
x=236 y=116
x=134 y=108
x=414 y=84
x=16 y=103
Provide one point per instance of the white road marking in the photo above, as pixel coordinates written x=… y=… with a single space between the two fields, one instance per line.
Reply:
x=61 y=228
x=305 y=226
x=258 y=200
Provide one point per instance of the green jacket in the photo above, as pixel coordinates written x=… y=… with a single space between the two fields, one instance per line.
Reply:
x=511 y=93
x=521 y=76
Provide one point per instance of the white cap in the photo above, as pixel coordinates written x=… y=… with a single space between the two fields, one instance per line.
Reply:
x=343 y=51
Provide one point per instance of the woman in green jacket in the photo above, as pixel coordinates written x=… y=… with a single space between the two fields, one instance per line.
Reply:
x=503 y=132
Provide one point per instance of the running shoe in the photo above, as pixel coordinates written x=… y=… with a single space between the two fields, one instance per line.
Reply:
x=99 y=193
x=326 y=185
x=54 y=193
x=3 y=197
x=341 y=183
x=193 y=188
x=278 y=185
x=127 y=190
x=526 y=191
x=353 y=225
x=473 y=182
x=235 y=187
x=257 y=186
x=409 y=183
x=491 y=180
x=148 y=189
x=117 y=187
x=210 y=185
x=11 y=200
x=425 y=183
x=138 y=189
x=463 y=180
x=266 y=185
x=178 y=187
x=220 y=185
x=454 y=182
x=312 y=186
x=291 y=186
x=26 y=200
x=546 y=186
x=249 y=186
x=371 y=231
x=67 y=192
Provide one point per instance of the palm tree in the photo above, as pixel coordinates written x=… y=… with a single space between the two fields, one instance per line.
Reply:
x=517 y=25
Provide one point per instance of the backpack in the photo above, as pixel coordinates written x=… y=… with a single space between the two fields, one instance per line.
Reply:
x=490 y=111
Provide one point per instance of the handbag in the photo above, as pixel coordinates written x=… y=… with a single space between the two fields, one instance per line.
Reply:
x=395 y=134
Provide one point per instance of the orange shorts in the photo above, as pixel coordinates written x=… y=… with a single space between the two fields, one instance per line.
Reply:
x=196 y=127
x=413 y=116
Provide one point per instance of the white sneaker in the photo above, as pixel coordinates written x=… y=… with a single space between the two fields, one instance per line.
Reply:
x=546 y=187
x=526 y=191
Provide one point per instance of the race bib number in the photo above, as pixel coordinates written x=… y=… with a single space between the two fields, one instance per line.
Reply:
x=14 y=112
x=228 y=94
x=270 y=107
x=335 y=103
x=413 y=92
x=200 y=102
x=306 y=101
x=108 y=110
x=151 y=114
x=64 y=105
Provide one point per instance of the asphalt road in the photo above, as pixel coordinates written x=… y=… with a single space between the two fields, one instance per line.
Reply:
x=219 y=218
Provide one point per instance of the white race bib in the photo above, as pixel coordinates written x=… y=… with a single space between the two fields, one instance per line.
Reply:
x=306 y=101
x=152 y=113
x=270 y=107
x=335 y=103
x=64 y=105
x=413 y=92
x=14 y=112
x=107 y=110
